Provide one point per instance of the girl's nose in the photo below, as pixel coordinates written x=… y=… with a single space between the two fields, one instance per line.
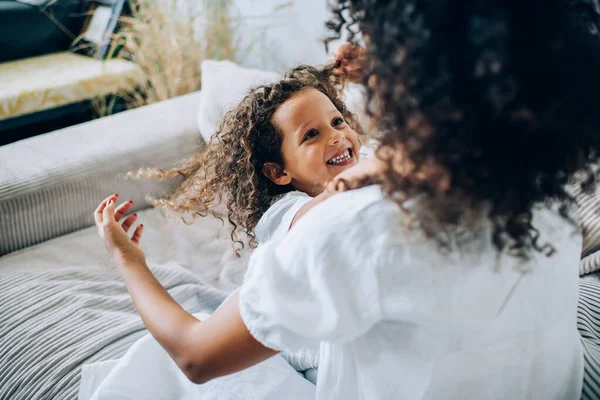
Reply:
x=336 y=137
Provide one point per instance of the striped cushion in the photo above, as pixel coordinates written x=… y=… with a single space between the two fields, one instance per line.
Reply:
x=589 y=214
x=50 y=184
x=588 y=324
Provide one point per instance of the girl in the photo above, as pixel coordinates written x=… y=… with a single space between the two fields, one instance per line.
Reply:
x=282 y=144
x=270 y=161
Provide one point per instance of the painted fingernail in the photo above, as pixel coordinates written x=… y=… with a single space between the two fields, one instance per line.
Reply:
x=142 y=226
x=116 y=194
x=130 y=201
x=135 y=215
x=109 y=202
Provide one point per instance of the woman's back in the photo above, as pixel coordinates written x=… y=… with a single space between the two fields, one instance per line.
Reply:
x=478 y=326
x=425 y=325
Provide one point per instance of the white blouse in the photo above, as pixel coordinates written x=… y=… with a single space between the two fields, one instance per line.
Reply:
x=395 y=318
x=275 y=223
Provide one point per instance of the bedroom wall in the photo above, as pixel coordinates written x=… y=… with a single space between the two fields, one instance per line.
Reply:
x=271 y=34
x=278 y=34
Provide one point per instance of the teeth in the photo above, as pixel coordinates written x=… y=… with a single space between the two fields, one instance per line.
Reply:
x=340 y=159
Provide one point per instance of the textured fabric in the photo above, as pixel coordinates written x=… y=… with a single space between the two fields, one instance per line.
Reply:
x=394 y=316
x=53 y=322
x=53 y=80
x=49 y=184
x=66 y=286
x=588 y=323
x=589 y=210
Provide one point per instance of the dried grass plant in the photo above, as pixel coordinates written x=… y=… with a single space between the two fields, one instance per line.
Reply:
x=168 y=39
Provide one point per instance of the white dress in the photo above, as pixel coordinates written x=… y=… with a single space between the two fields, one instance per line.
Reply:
x=274 y=225
x=396 y=319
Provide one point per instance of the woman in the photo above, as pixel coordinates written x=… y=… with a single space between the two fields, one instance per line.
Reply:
x=451 y=278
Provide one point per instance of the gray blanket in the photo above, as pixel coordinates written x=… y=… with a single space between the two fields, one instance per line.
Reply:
x=53 y=322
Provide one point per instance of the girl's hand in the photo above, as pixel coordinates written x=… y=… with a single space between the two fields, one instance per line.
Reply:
x=122 y=248
x=352 y=59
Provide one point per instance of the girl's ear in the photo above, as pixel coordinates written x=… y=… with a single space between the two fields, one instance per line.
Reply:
x=275 y=173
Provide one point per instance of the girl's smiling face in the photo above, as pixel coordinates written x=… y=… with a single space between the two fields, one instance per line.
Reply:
x=317 y=143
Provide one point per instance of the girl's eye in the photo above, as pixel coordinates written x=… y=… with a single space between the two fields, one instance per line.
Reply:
x=337 y=121
x=311 y=134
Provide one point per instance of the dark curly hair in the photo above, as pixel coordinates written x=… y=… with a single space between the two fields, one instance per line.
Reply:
x=481 y=103
x=230 y=168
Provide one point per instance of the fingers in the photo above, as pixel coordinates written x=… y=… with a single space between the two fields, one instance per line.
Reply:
x=129 y=222
x=117 y=213
x=343 y=52
x=98 y=213
x=341 y=185
x=351 y=59
x=108 y=213
x=338 y=185
x=122 y=209
x=137 y=234
x=348 y=52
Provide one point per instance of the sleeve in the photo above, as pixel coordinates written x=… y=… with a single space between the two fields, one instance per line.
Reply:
x=278 y=218
x=318 y=283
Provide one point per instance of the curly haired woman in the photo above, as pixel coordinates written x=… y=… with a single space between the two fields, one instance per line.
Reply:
x=452 y=277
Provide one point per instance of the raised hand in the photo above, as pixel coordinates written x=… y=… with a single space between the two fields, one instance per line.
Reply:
x=352 y=59
x=115 y=235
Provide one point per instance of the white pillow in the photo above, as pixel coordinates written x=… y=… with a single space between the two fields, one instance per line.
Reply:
x=224 y=85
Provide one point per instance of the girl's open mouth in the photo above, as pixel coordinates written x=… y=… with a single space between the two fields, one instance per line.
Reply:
x=342 y=159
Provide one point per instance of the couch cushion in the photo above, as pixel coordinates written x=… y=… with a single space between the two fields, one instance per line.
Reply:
x=50 y=184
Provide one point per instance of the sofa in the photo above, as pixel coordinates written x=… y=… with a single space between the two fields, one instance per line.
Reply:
x=62 y=303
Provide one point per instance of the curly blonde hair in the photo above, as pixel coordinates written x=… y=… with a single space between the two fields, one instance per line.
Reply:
x=229 y=170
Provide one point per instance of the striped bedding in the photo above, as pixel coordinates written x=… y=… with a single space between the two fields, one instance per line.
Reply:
x=588 y=323
x=51 y=323
x=62 y=304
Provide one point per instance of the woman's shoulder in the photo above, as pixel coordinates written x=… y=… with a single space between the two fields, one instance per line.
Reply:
x=354 y=204
x=355 y=213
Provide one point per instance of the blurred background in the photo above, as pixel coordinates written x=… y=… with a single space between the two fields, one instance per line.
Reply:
x=64 y=62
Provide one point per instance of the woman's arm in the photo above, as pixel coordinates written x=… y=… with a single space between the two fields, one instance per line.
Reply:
x=205 y=350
